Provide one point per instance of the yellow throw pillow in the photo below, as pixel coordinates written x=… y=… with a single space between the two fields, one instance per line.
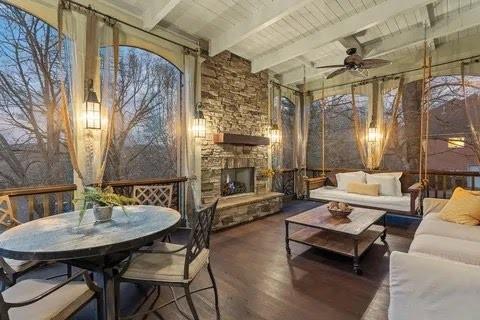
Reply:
x=463 y=207
x=372 y=189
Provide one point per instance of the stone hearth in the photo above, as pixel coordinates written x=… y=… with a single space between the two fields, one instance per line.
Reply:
x=235 y=101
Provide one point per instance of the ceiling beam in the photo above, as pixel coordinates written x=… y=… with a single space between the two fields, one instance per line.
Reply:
x=158 y=10
x=348 y=26
x=431 y=22
x=455 y=22
x=260 y=20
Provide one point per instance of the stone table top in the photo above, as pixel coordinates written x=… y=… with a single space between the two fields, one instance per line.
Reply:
x=355 y=224
x=59 y=237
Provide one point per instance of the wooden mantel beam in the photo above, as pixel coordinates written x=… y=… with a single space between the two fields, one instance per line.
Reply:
x=270 y=14
x=351 y=25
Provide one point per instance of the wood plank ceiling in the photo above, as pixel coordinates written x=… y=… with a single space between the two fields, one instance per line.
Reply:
x=286 y=36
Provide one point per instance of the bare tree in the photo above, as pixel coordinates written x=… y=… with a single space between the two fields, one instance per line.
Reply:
x=33 y=150
x=145 y=120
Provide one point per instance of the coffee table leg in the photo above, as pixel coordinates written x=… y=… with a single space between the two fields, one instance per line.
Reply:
x=384 y=234
x=287 y=242
x=356 y=260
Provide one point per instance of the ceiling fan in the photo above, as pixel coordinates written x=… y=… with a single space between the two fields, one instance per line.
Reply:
x=355 y=64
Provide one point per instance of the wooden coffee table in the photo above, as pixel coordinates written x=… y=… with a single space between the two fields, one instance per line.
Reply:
x=351 y=236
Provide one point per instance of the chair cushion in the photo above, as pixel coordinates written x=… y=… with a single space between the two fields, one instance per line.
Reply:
x=463 y=207
x=163 y=267
x=448 y=248
x=58 y=305
x=433 y=225
x=20 y=265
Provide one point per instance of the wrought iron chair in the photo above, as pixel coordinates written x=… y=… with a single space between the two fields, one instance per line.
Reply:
x=11 y=269
x=175 y=265
x=154 y=195
x=47 y=299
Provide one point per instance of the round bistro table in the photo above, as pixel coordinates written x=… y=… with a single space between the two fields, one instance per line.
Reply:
x=98 y=247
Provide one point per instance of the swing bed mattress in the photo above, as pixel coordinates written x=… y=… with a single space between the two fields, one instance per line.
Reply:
x=329 y=193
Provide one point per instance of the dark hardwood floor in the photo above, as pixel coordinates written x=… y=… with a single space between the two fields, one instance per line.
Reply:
x=256 y=279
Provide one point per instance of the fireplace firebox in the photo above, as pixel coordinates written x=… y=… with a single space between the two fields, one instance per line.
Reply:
x=237 y=181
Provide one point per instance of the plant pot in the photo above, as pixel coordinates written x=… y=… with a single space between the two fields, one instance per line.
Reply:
x=102 y=214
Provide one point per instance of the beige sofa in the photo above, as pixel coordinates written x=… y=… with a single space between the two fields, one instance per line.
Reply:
x=439 y=277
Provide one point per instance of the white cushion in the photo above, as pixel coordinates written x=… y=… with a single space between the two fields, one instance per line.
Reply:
x=398 y=183
x=438 y=227
x=343 y=179
x=448 y=248
x=20 y=265
x=388 y=185
x=165 y=267
x=72 y=296
x=432 y=288
x=385 y=202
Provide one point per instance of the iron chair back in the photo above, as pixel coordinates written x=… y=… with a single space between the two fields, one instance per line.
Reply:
x=160 y=195
x=199 y=238
x=6 y=213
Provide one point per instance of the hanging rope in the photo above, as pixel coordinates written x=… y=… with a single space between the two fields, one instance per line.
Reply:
x=424 y=116
x=323 y=106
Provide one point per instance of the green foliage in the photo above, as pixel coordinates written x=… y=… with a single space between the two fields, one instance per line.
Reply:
x=102 y=197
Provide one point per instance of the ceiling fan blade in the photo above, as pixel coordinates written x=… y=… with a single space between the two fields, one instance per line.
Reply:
x=361 y=73
x=374 y=63
x=336 y=73
x=331 y=66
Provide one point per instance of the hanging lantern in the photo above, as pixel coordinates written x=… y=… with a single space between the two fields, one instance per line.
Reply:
x=199 y=124
x=274 y=134
x=93 y=112
x=373 y=133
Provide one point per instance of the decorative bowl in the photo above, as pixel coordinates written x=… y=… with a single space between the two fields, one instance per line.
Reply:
x=339 y=210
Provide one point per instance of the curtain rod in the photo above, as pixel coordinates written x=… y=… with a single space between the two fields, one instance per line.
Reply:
x=284 y=86
x=129 y=24
x=393 y=75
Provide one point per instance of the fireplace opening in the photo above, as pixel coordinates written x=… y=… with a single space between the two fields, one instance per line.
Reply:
x=237 y=181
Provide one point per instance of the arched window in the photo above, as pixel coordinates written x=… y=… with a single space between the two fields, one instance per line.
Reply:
x=32 y=148
x=146 y=120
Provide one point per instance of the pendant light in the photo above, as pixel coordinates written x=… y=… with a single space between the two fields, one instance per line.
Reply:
x=93 y=111
x=199 y=123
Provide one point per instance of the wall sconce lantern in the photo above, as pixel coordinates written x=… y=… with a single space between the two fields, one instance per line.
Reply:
x=373 y=133
x=274 y=134
x=93 y=112
x=199 y=123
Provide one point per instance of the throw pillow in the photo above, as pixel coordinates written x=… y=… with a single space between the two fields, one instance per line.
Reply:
x=388 y=184
x=398 y=176
x=363 y=188
x=343 y=179
x=463 y=207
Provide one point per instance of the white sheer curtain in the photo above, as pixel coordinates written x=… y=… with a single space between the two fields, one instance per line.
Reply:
x=190 y=148
x=84 y=33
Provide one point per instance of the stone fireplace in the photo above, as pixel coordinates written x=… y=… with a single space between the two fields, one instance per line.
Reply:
x=235 y=105
x=237 y=181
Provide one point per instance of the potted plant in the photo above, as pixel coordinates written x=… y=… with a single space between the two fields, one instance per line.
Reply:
x=102 y=201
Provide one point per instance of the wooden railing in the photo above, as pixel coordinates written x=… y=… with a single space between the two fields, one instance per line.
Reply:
x=35 y=202
x=30 y=203
x=440 y=183
x=125 y=187
x=284 y=181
